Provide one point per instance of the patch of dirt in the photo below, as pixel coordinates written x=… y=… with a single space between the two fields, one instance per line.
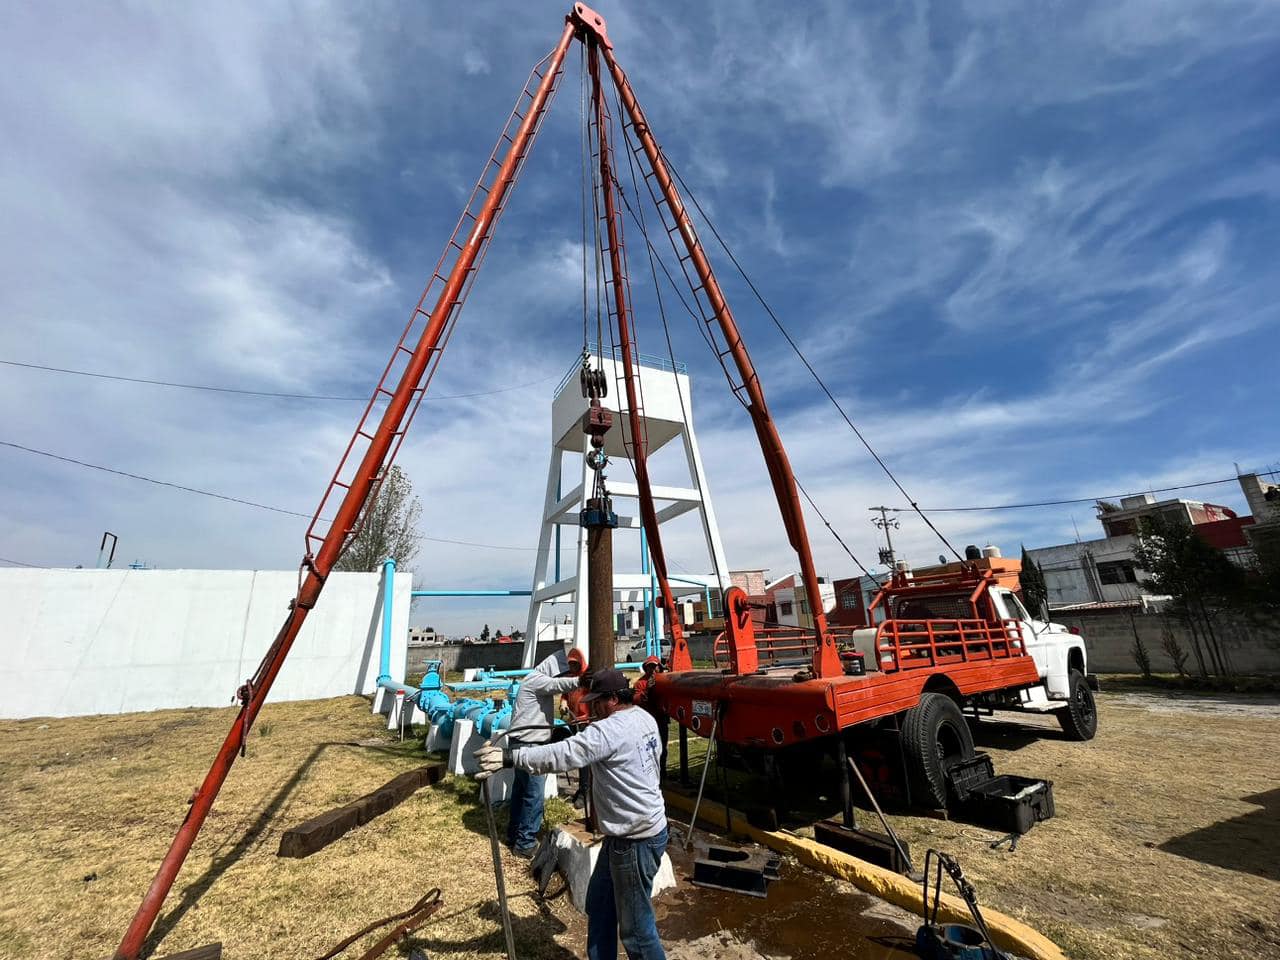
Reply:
x=718 y=946
x=853 y=925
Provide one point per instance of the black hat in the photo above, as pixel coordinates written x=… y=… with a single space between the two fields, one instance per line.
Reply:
x=606 y=683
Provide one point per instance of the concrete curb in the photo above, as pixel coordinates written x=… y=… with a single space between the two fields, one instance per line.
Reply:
x=1009 y=933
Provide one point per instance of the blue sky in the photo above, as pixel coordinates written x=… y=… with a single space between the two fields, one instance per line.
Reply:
x=1031 y=247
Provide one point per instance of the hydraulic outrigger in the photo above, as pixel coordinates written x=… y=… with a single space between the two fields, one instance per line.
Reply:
x=414 y=362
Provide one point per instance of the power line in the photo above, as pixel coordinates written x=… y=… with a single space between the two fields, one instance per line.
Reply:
x=220 y=496
x=19 y=563
x=1063 y=503
x=256 y=393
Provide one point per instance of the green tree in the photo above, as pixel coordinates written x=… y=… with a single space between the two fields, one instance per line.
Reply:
x=484 y=634
x=1264 y=581
x=1035 y=593
x=1200 y=579
x=388 y=526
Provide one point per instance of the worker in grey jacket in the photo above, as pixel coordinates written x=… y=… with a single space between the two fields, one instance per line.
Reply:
x=621 y=749
x=532 y=716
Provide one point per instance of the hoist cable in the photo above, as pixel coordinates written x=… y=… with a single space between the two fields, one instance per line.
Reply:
x=582 y=188
x=655 y=254
x=666 y=330
x=839 y=539
x=805 y=360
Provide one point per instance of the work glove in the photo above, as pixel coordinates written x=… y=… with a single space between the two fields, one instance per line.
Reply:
x=490 y=758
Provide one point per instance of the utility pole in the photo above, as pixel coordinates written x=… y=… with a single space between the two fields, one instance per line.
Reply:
x=885 y=523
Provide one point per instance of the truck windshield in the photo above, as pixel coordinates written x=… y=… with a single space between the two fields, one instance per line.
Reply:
x=1016 y=610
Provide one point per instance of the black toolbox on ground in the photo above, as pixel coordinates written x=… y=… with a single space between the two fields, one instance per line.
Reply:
x=1008 y=803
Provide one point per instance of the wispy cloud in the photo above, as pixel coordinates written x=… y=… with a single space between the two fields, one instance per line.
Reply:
x=1032 y=251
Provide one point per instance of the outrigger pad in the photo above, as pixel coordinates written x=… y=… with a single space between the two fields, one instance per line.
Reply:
x=866 y=845
x=736 y=870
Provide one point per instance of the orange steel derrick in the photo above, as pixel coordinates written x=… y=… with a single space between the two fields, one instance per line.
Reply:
x=413 y=363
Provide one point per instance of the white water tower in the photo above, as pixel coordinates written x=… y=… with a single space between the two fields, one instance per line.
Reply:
x=555 y=574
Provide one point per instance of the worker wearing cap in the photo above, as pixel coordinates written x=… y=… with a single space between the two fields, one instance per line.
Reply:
x=532 y=716
x=643 y=696
x=621 y=750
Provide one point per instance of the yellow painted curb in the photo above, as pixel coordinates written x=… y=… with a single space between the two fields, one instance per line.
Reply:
x=1009 y=933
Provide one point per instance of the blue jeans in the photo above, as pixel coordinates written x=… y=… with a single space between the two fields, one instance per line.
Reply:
x=618 y=899
x=526 y=810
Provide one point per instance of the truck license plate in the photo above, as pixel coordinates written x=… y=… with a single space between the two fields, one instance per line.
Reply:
x=702 y=708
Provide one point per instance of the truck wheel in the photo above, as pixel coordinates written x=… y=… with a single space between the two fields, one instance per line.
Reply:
x=934 y=737
x=1079 y=718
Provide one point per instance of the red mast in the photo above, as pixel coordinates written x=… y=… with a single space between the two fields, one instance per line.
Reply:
x=826 y=659
x=401 y=402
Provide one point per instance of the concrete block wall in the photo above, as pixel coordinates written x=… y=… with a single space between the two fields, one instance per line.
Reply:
x=1251 y=647
x=80 y=642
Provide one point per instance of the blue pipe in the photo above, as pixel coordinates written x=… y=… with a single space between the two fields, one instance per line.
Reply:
x=485 y=674
x=388 y=593
x=706 y=591
x=471 y=593
x=511 y=686
x=648 y=593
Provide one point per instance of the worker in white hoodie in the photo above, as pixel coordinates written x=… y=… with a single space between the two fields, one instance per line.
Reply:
x=532 y=716
x=621 y=749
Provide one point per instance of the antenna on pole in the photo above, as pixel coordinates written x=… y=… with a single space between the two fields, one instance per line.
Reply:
x=885 y=523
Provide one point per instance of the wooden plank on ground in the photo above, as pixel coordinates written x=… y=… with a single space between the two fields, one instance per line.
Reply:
x=210 y=951
x=318 y=832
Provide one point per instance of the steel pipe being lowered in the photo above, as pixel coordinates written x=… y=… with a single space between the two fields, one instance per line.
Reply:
x=600 y=627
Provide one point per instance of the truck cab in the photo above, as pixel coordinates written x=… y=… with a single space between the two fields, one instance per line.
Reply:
x=1056 y=650
x=967 y=600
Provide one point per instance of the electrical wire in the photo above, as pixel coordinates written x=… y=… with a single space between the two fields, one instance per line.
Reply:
x=257 y=393
x=805 y=360
x=1063 y=503
x=229 y=499
x=19 y=563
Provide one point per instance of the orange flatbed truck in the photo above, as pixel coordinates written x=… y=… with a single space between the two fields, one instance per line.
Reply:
x=950 y=641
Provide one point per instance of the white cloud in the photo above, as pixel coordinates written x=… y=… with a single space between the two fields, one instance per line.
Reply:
x=191 y=195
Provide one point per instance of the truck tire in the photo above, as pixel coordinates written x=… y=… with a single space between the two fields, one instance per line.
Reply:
x=1079 y=719
x=934 y=736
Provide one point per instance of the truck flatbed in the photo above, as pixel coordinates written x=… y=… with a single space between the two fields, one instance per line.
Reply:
x=771 y=708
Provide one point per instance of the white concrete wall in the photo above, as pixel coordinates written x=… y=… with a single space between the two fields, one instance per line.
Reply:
x=78 y=642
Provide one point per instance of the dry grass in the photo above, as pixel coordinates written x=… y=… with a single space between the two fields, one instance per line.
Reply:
x=100 y=797
x=1157 y=850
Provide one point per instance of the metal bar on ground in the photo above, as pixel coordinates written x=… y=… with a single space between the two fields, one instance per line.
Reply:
x=497 y=870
